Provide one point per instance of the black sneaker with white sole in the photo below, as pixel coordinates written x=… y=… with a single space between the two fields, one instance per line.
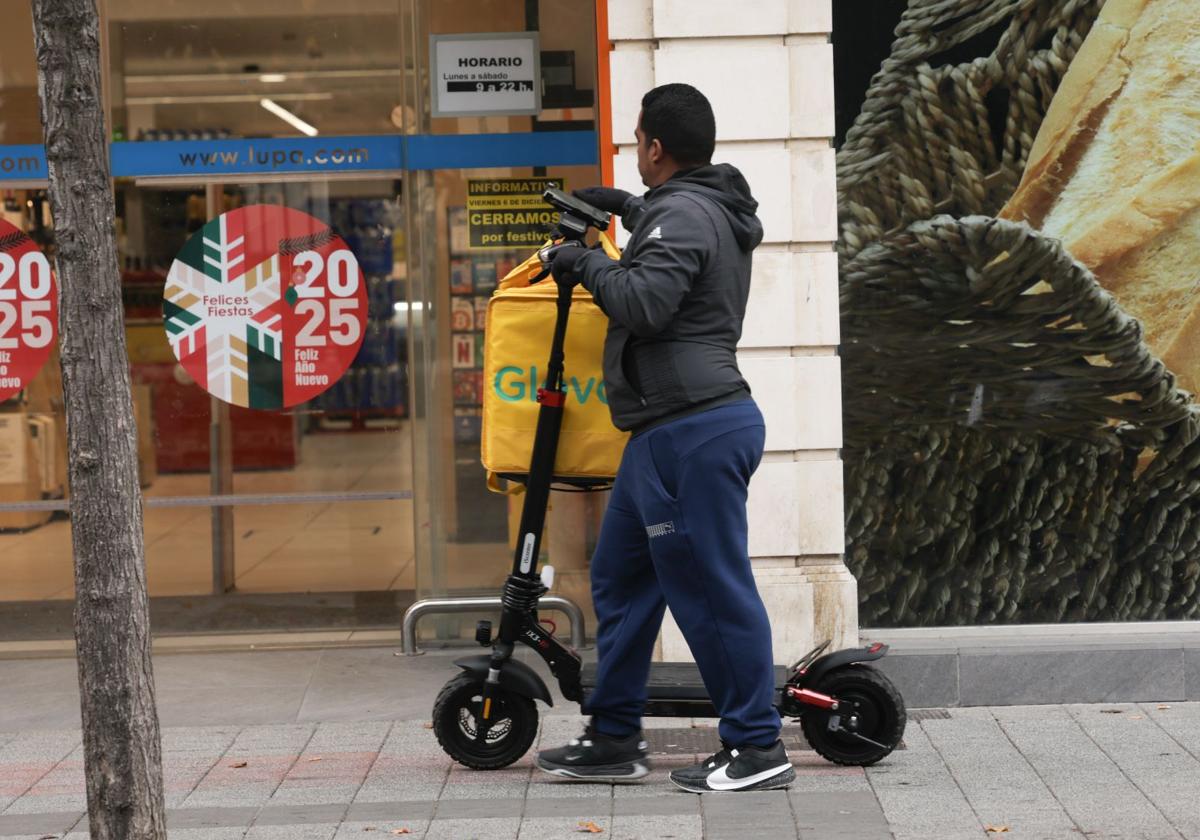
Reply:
x=596 y=757
x=739 y=769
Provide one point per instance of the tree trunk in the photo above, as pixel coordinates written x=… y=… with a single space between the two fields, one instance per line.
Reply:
x=122 y=745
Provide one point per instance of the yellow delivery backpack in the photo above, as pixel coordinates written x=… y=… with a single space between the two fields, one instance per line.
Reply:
x=517 y=338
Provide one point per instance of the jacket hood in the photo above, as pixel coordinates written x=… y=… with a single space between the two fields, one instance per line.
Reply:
x=727 y=187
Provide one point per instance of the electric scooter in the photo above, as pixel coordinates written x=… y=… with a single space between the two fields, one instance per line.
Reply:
x=486 y=718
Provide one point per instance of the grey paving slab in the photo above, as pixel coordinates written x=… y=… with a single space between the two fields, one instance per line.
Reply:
x=475 y=809
x=1033 y=677
x=48 y=803
x=381 y=829
x=183 y=772
x=671 y=803
x=383 y=811
x=300 y=814
x=1191 y=673
x=198 y=818
x=51 y=675
x=840 y=816
x=39 y=824
x=1151 y=759
x=494 y=829
x=241 y=706
x=765 y=814
x=350 y=735
x=208 y=833
x=253 y=767
x=919 y=795
x=54 y=744
x=334 y=764
x=542 y=786
x=1181 y=721
x=385 y=687
x=263 y=669
x=923 y=680
x=416 y=791
x=27 y=709
x=289 y=738
x=61 y=789
x=509 y=782
x=562 y=828
x=313 y=792
x=580 y=807
x=292 y=832
x=1092 y=789
x=999 y=784
x=657 y=828
x=28 y=758
x=201 y=739
x=814 y=774
x=831 y=784
x=411 y=766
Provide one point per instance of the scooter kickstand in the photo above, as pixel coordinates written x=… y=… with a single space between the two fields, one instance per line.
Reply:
x=861 y=737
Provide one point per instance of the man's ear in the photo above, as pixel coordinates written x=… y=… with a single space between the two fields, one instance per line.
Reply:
x=655 y=151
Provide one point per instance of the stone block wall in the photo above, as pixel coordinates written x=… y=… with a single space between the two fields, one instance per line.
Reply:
x=767 y=67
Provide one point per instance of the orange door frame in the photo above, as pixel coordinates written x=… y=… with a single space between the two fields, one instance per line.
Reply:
x=604 y=94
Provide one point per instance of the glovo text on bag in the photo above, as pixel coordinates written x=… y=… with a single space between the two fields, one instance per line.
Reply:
x=513 y=384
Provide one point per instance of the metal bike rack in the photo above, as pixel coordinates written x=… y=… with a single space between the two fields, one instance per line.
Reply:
x=408 y=627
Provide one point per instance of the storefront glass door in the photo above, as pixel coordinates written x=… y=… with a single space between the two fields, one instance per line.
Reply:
x=339 y=509
x=456 y=260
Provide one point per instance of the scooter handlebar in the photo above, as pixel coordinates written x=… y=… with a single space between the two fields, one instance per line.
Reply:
x=547 y=254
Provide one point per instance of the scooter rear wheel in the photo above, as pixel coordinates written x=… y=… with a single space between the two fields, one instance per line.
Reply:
x=456 y=714
x=878 y=711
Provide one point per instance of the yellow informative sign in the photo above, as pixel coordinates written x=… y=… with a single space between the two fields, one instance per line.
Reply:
x=506 y=213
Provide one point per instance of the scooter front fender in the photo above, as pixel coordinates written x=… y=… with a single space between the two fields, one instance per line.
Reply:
x=515 y=676
x=832 y=661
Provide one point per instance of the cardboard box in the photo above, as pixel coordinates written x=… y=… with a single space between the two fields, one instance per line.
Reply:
x=42 y=431
x=44 y=393
x=44 y=397
x=20 y=472
x=143 y=410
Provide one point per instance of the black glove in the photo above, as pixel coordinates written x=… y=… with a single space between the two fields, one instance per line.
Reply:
x=607 y=199
x=562 y=262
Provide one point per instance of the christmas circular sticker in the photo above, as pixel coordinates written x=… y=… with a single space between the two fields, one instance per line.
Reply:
x=28 y=310
x=265 y=307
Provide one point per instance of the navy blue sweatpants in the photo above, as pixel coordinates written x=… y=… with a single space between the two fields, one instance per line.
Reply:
x=674 y=535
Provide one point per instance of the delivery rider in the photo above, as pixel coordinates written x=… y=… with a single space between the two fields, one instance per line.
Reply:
x=674 y=533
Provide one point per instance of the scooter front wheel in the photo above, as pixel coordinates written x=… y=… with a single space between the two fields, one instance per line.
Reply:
x=868 y=723
x=457 y=714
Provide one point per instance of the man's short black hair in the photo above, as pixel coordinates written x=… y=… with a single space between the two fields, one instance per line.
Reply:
x=681 y=118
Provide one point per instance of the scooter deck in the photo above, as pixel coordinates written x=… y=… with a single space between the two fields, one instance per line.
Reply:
x=675 y=681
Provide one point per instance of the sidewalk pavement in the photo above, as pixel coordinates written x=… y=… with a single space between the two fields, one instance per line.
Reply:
x=337 y=746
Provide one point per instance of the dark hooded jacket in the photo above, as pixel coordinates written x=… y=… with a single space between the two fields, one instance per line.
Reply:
x=676 y=299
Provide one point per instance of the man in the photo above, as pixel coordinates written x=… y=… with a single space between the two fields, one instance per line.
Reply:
x=674 y=533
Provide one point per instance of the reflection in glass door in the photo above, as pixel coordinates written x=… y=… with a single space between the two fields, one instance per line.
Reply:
x=305 y=509
x=467 y=546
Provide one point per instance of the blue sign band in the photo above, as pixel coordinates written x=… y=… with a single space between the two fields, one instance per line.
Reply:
x=467 y=151
x=23 y=163
x=323 y=155
x=267 y=155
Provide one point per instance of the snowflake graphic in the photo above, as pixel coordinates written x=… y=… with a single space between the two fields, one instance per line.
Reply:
x=218 y=308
